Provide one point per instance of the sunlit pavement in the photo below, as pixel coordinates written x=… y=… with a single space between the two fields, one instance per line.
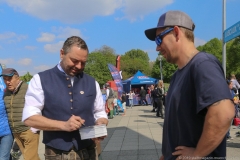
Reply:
x=138 y=136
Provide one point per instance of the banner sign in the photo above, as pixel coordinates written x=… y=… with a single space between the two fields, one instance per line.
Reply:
x=232 y=32
x=117 y=78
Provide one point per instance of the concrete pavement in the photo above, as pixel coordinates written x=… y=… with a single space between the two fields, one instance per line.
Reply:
x=138 y=136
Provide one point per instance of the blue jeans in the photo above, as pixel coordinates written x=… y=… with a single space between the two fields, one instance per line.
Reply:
x=130 y=102
x=5 y=146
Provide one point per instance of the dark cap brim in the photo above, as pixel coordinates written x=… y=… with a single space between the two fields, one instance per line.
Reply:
x=8 y=75
x=9 y=72
x=151 y=33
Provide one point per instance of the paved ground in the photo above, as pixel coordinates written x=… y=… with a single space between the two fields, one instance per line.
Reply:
x=138 y=136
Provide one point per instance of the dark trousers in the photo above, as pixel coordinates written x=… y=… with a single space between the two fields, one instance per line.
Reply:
x=159 y=106
x=144 y=99
x=84 y=154
x=153 y=103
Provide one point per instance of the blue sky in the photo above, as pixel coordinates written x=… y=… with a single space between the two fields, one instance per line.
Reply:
x=32 y=31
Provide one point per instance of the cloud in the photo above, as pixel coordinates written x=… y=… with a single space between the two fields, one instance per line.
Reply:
x=82 y=11
x=54 y=48
x=30 y=47
x=7 y=61
x=42 y=68
x=46 y=37
x=59 y=33
x=199 y=42
x=137 y=9
x=76 y=10
x=66 y=32
x=11 y=37
x=25 y=61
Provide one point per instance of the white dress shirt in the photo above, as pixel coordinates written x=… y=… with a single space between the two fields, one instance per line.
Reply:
x=34 y=99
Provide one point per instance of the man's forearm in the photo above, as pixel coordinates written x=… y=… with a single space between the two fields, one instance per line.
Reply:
x=43 y=123
x=210 y=139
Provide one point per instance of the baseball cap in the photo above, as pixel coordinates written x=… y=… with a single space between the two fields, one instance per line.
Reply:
x=168 y=19
x=9 y=72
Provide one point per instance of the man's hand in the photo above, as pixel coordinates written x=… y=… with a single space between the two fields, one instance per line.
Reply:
x=74 y=123
x=101 y=121
x=185 y=153
x=98 y=122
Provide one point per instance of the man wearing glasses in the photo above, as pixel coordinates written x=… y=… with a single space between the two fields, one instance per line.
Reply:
x=198 y=109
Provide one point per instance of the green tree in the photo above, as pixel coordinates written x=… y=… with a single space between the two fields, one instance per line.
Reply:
x=134 y=60
x=233 y=57
x=214 y=46
x=27 y=77
x=167 y=70
x=97 y=64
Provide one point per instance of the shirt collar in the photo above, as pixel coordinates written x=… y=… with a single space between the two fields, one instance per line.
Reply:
x=16 y=89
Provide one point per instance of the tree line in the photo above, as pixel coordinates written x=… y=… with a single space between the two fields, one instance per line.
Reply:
x=137 y=59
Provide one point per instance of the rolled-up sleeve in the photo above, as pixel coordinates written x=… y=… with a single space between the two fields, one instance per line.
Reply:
x=99 y=107
x=34 y=98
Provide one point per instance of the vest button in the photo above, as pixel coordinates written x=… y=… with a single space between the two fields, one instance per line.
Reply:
x=70 y=93
x=71 y=107
x=69 y=85
x=71 y=100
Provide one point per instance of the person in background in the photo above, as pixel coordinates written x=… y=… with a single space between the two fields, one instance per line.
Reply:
x=26 y=138
x=130 y=98
x=153 y=96
x=110 y=97
x=235 y=84
x=115 y=106
x=159 y=93
x=142 y=95
x=235 y=101
x=6 y=138
x=123 y=100
x=198 y=98
x=164 y=91
x=63 y=99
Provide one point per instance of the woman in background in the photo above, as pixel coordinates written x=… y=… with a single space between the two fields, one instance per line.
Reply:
x=130 y=98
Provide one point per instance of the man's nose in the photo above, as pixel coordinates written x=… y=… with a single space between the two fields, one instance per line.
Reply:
x=7 y=82
x=158 y=48
x=78 y=65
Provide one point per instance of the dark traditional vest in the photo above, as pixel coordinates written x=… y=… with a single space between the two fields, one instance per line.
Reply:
x=14 y=104
x=62 y=100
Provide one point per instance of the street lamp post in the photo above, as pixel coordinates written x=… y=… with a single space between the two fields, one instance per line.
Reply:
x=160 y=60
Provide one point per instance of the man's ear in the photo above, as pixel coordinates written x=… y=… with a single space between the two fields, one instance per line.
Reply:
x=176 y=31
x=61 y=54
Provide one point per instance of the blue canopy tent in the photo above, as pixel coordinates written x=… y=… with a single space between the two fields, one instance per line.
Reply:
x=138 y=80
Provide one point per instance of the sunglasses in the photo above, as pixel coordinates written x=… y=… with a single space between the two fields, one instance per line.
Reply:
x=159 y=38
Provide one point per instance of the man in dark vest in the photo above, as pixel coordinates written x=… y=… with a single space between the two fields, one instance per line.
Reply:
x=14 y=97
x=62 y=99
